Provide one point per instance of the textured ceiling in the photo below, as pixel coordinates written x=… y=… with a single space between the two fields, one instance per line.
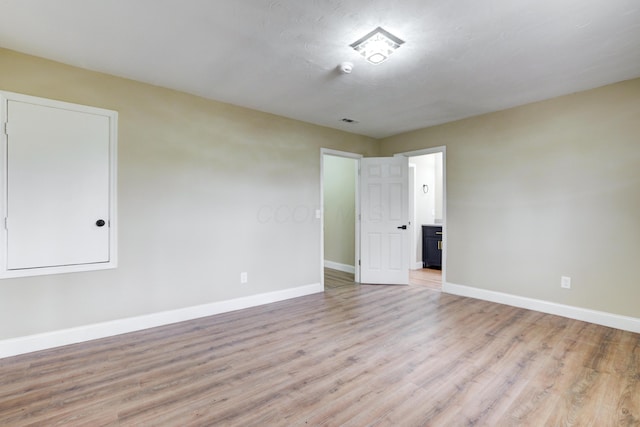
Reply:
x=461 y=57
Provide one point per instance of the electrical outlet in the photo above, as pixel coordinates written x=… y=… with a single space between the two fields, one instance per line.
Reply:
x=565 y=282
x=243 y=277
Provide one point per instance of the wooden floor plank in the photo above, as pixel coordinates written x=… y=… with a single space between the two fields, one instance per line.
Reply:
x=429 y=278
x=353 y=355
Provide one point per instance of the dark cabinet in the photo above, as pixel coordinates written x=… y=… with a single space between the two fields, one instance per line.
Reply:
x=432 y=246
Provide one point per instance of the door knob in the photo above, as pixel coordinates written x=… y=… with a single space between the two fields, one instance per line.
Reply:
x=100 y=222
x=402 y=227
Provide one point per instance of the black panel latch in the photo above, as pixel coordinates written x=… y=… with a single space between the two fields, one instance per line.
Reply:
x=100 y=223
x=402 y=227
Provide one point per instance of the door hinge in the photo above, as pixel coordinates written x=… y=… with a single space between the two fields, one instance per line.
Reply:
x=6 y=128
x=6 y=226
x=359 y=262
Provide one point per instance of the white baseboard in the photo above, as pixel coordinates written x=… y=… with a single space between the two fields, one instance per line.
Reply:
x=340 y=267
x=617 y=321
x=30 y=343
x=417 y=266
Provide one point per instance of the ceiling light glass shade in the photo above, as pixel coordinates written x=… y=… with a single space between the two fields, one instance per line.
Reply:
x=376 y=46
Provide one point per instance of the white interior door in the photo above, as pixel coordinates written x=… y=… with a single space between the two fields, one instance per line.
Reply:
x=385 y=228
x=58 y=177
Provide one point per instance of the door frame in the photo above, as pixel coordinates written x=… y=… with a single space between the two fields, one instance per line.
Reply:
x=356 y=157
x=412 y=215
x=441 y=149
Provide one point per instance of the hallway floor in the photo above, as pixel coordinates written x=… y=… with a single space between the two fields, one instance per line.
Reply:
x=426 y=277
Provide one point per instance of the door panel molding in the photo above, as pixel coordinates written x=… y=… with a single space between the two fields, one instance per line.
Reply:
x=385 y=224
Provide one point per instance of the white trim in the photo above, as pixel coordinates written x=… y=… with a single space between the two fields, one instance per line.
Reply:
x=441 y=149
x=356 y=157
x=337 y=153
x=413 y=225
x=340 y=267
x=27 y=344
x=417 y=266
x=611 y=320
x=422 y=152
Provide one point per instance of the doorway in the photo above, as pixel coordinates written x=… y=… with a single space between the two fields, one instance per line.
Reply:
x=420 y=276
x=427 y=215
x=340 y=234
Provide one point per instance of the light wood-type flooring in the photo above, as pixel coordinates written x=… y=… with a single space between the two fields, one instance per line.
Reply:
x=426 y=277
x=355 y=355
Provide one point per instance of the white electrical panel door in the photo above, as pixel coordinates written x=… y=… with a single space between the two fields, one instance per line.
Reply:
x=59 y=195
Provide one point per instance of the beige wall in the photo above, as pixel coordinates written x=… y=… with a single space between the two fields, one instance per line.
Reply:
x=206 y=191
x=544 y=190
x=340 y=209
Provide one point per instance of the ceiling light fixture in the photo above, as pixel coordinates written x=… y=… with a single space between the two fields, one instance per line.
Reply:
x=376 y=46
